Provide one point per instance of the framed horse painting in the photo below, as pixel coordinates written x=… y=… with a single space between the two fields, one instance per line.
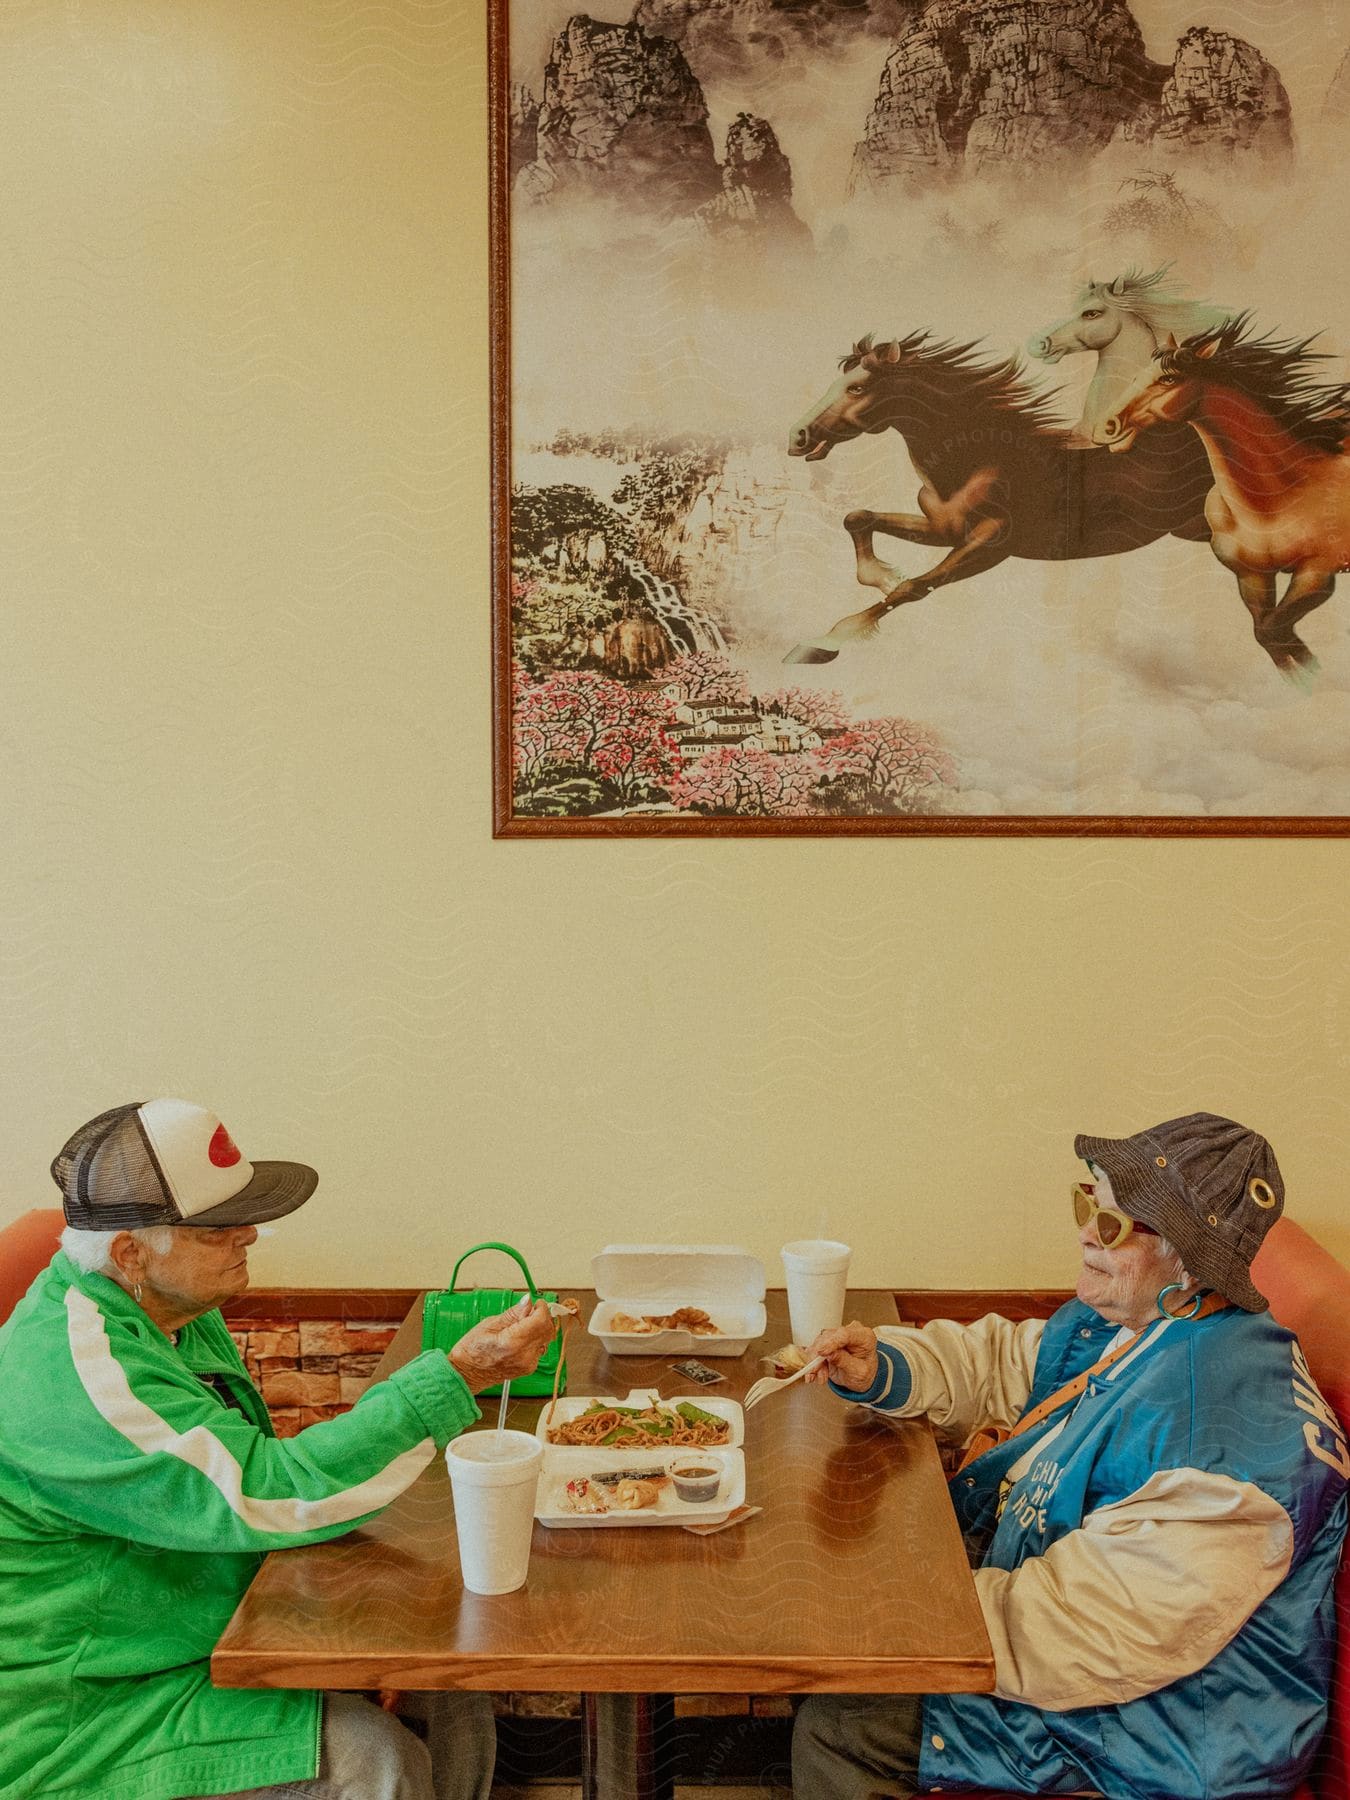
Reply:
x=920 y=416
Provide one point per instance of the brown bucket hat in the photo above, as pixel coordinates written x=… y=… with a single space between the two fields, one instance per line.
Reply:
x=1209 y=1185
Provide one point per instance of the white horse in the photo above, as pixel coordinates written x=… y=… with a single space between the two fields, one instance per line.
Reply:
x=1126 y=321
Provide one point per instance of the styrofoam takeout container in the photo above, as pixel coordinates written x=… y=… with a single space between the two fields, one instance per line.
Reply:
x=570 y=1406
x=563 y=1462
x=726 y=1281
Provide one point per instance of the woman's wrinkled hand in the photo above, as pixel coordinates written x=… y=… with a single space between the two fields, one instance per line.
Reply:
x=850 y=1353
x=505 y=1346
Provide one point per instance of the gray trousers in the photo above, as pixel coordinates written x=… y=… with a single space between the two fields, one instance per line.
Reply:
x=365 y=1754
x=857 y=1747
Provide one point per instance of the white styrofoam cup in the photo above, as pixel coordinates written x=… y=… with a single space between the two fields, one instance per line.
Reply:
x=494 y=1488
x=817 y=1275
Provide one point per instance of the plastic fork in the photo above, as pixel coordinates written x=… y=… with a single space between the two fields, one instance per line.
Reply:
x=774 y=1384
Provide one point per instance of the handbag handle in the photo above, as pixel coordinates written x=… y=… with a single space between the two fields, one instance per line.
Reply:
x=507 y=1251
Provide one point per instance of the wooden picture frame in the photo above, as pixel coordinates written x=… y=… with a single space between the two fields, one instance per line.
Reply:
x=655 y=244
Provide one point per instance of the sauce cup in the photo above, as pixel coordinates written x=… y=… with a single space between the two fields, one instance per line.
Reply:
x=695 y=1475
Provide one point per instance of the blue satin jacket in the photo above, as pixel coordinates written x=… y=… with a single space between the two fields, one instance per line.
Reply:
x=1228 y=1395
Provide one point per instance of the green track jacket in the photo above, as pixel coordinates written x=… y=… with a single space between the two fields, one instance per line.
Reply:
x=135 y=1506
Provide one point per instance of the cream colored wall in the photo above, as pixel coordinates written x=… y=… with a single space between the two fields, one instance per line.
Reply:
x=245 y=744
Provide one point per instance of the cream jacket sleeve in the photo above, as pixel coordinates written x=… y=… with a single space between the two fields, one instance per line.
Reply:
x=963 y=1376
x=1143 y=1592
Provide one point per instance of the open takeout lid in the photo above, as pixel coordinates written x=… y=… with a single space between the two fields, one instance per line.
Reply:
x=677 y=1274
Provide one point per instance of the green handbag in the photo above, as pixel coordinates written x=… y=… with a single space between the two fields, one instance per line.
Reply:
x=448 y=1314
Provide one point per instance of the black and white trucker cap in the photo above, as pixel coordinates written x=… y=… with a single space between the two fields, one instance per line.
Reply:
x=168 y=1162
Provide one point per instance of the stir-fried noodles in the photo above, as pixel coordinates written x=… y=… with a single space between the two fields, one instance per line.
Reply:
x=642 y=1427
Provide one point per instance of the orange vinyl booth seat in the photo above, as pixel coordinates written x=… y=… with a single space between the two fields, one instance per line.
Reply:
x=1309 y=1292
x=26 y=1247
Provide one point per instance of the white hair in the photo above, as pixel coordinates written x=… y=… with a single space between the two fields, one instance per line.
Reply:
x=1169 y=1249
x=91 y=1251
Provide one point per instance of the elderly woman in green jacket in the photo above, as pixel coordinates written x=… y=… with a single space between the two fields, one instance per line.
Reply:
x=141 y=1482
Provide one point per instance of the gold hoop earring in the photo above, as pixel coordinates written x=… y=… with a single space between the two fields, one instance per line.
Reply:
x=1175 y=1287
x=136 y=1292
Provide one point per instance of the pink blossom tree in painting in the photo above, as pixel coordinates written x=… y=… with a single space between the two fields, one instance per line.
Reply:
x=580 y=726
x=892 y=765
x=749 y=784
x=542 y=734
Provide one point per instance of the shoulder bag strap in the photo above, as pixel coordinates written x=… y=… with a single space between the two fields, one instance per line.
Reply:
x=990 y=1435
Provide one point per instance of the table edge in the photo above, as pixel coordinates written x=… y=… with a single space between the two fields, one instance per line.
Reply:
x=550 y=1674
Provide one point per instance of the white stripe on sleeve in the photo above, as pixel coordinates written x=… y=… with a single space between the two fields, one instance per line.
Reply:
x=105 y=1382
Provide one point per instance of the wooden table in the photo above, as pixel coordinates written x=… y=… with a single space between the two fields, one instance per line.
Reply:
x=852 y=1579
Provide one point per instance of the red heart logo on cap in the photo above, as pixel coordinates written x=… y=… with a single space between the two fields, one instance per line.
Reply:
x=222 y=1149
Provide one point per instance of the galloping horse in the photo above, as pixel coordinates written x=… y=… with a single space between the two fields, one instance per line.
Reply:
x=1276 y=442
x=998 y=478
x=1125 y=320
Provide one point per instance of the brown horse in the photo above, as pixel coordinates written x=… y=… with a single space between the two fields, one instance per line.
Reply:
x=1275 y=439
x=999 y=477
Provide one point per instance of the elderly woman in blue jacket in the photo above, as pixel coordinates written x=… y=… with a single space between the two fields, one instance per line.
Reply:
x=1154 y=1494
